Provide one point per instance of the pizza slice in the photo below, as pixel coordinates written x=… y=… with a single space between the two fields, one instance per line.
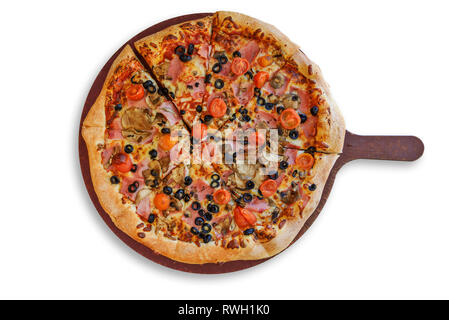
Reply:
x=245 y=52
x=178 y=57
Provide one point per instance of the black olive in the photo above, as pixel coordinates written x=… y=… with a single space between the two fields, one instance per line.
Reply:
x=294 y=97
x=208 y=77
x=172 y=95
x=209 y=197
x=207 y=118
x=129 y=148
x=274 y=176
x=249 y=231
x=249 y=185
x=303 y=117
x=283 y=165
x=236 y=54
x=206 y=228
x=314 y=110
x=153 y=154
x=249 y=74
x=219 y=84
x=275 y=214
x=201 y=212
x=186 y=198
x=256 y=91
x=214 y=184
x=207 y=238
x=185 y=58
x=187 y=180
x=196 y=205
x=165 y=130
x=213 y=208
x=208 y=216
x=294 y=173
x=118 y=107
x=147 y=83
x=155 y=183
x=179 y=194
x=162 y=91
x=311 y=150
x=151 y=218
x=167 y=190
x=312 y=187
x=247 y=197
x=197 y=84
x=199 y=109
x=243 y=110
x=222 y=59
x=279 y=109
x=152 y=89
x=194 y=230
x=260 y=101
x=190 y=49
x=132 y=188
x=293 y=134
x=233 y=117
x=182 y=112
x=179 y=50
x=114 y=180
x=133 y=80
x=216 y=68
x=199 y=221
x=215 y=177
x=246 y=118
x=283 y=194
x=269 y=105
x=134 y=168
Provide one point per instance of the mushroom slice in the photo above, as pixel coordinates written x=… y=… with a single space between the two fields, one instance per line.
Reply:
x=291 y=100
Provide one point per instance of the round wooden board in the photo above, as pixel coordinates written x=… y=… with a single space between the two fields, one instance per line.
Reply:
x=401 y=148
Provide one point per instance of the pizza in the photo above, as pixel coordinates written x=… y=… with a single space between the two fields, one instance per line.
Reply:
x=212 y=140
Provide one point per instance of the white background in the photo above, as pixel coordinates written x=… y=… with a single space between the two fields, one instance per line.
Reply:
x=384 y=232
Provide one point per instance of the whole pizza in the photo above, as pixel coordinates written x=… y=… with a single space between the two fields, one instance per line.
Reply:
x=212 y=140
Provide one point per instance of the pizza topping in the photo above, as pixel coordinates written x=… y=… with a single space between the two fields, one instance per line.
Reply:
x=289 y=119
x=260 y=78
x=151 y=218
x=266 y=117
x=312 y=187
x=168 y=110
x=283 y=165
x=114 y=180
x=250 y=51
x=175 y=68
x=219 y=84
x=217 y=108
x=265 y=60
x=222 y=196
x=153 y=154
x=121 y=162
x=118 y=107
x=180 y=50
x=135 y=92
x=201 y=188
x=216 y=68
x=198 y=88
x=248 y=231
x=162 y=201
x=294 y=134
x=305 y=161
x=194 y=230
x=115 y=129
x=268 y=188
x=257 y=205
x=243 y=91
x=129 y=148
x=314 y=110
x=278 y=84
x=239 y=66
x=166 y=142
x=244 y=218
x=206 y=228
x=131 y=186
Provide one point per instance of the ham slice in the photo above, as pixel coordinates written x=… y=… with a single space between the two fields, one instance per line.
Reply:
x=137 y=103
x=291 y=155
x=170 y=113
x=243 y=91
x=198 y=88
x=115 y=129
x=279 y=179
x=144 y=207
x=250 y=51
x=257 y=205
x=175 y=68
x=225 y=175
x=128 y=181
x=269 y=118
x=201 y=188
x=204 y=51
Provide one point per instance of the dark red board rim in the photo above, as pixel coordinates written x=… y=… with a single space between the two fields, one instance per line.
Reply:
x=402 y=148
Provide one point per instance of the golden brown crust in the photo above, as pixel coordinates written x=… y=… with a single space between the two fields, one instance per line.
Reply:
x=253 y=25
x=332 y=126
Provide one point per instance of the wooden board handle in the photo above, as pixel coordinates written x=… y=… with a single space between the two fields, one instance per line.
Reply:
x=399 y=148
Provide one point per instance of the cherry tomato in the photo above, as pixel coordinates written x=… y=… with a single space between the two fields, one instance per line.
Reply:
x=135 y=92
x=305 y=161
x=268 y=188
x=244 y=218
x=217 y=108
x=239 y=66
x=290 y=119
x=260 y=78
x=166 y=142
x=122 y=162
x=162 y=201
x=265 y=61
x=222 y=196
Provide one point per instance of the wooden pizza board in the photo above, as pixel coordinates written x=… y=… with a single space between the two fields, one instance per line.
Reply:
x=399 y=148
